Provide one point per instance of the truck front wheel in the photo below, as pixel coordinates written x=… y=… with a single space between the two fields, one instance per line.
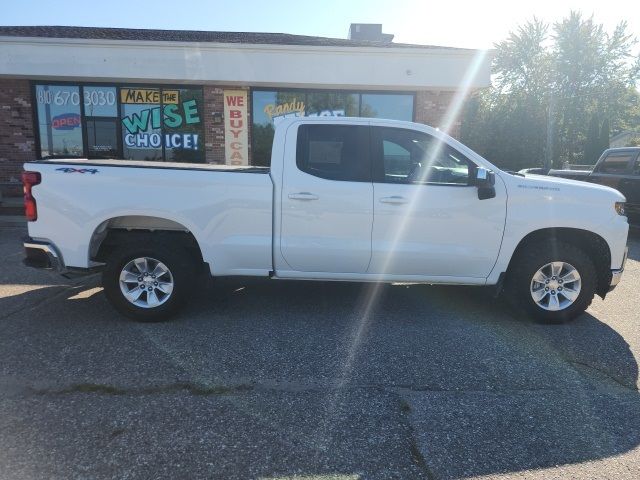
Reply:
x=552 y=281
x=148 y=283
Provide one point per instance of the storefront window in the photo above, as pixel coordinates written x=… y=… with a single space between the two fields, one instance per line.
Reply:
x=380 y=105
x=59 y=120
x=136 y=123
x=183 y=127
x=102 y=137
x=101 y=121
x=269 y=107
x=141 y=123
x=332 y=104
x=100 y=101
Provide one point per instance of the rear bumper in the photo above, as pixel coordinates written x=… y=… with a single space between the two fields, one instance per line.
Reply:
x=42 y=255
x=616 y=275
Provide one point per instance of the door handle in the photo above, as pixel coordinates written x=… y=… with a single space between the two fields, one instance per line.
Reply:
x=303 y=196
x=395 y=200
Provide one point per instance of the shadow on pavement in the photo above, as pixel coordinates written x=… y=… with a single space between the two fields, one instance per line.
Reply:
x=273 y=379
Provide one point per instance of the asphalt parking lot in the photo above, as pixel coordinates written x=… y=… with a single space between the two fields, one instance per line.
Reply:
x=279 y=380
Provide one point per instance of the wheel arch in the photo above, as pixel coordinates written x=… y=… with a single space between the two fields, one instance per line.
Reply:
x=115 y=231
x=591 y=243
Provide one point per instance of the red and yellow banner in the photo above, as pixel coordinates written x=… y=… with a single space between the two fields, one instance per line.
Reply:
x=236 y=138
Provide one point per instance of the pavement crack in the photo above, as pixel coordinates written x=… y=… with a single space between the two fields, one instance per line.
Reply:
x=102 y=389
x=241 y=387
x=603 y=373
x=414 y=450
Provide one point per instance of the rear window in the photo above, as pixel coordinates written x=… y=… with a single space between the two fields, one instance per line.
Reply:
x=335 y=152
x=616 y=163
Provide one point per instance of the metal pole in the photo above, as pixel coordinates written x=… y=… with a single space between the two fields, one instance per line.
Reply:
x=548 y=160
x=47 y=113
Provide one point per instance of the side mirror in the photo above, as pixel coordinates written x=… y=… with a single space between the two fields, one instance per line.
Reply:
x=485 y=181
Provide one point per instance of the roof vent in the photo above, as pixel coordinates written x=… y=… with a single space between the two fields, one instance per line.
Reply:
x=371 y=32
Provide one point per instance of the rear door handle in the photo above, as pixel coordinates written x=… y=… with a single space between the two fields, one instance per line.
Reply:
x=303 y=196
x=395 y=200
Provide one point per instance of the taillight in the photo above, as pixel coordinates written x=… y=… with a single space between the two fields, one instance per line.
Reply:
x=29 y=179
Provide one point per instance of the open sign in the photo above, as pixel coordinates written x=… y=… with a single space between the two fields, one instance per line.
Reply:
x=66 y=121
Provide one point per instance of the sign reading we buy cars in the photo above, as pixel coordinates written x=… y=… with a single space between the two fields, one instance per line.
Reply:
x=235 y=128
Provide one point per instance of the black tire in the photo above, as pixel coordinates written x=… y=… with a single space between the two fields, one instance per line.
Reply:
x=177 y=259
x=530 y=259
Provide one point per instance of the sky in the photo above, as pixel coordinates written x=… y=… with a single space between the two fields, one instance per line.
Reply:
x=470 y=24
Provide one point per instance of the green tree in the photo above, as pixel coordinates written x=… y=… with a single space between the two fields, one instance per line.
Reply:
x=584 y=69
x=507 y=122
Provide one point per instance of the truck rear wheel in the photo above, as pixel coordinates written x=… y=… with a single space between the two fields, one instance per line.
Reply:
x=148 y=282
x=552 y=281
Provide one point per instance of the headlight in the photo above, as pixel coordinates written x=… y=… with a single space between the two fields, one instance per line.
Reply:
x=619 y=206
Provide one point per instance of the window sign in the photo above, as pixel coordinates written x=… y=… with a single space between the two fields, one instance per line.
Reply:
x=100 y=102
x=235 y=127
x=332 y=104
x=108 y=121
x=162 y=123
x=59 y=120
x=141 y=127
x=183 y=126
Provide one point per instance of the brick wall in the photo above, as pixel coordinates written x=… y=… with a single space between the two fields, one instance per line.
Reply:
x=213 y=132
x=431 y=107
x=17 y=143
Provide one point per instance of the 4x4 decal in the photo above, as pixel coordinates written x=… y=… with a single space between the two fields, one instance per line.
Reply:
x=77 y=170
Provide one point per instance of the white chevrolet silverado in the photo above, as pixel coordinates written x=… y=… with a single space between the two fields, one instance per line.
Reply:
x=347 y=199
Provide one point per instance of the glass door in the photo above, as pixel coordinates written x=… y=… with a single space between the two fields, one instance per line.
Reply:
x=101 y=122
x=102 y=137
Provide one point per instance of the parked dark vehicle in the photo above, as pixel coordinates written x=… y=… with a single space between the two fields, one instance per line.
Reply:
x=617 y=168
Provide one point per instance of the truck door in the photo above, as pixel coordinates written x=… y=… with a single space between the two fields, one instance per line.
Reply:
x=327 y=200
x=428 y=220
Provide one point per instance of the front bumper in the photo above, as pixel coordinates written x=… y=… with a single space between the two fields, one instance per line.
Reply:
x=616 y=275
x=45 y=255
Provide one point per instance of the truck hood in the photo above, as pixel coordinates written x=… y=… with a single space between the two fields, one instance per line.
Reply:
x=562 y=187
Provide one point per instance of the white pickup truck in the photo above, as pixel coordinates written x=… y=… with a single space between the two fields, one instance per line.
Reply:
x=347 y=199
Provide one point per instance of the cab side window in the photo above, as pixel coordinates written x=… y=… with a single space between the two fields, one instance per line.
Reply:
x=616 y=163
x=334 y=152
x=411 y=157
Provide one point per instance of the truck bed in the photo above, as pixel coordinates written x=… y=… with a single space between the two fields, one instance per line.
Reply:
x=229 y=215
x=151 y=164
x=571 y=174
